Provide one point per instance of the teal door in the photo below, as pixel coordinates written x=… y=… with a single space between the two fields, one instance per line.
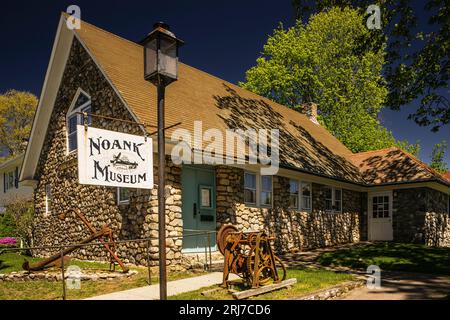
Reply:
x=199 y=207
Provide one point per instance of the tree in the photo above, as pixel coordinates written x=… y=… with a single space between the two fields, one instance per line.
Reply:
x=317 y=63
x=417 y=64
x=437 y=157
x=17 y=110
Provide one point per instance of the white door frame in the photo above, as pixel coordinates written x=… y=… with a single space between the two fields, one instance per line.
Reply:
x=388 y=193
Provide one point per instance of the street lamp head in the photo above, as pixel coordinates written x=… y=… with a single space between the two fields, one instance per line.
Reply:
x=161 y=55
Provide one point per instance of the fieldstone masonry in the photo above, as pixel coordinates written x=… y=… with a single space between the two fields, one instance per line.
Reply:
x=420 y=215
x=294 y=229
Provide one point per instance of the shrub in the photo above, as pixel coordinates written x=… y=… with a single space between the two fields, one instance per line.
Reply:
x=21 y=214
x=7 y=226
x=8 y=241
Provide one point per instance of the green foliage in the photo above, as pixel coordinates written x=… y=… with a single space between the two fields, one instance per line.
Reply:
x=413 y=149
x=437 y=157
x=308 y=280
x=19 y=215
x=7 y=226
x=17 y=110
x=417 y=64
x=322 y=62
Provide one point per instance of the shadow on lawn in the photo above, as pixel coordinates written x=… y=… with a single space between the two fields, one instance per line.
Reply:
x=392 y=256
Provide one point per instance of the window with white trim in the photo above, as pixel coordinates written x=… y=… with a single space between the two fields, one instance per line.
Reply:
x=8 y=181
x=293 y=194
x=333 y=199
x=306 y=193
x=250 y=188
x=123 y=195
x=48 y=199
x=81 y=103
x=266 y=191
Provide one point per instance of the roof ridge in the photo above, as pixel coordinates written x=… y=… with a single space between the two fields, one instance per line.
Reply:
x=423 y=165
x=373 y=151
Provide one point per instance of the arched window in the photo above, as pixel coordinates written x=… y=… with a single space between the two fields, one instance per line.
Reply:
x=80 y=103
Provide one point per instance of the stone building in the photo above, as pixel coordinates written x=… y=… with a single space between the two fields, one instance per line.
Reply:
x=322 y=194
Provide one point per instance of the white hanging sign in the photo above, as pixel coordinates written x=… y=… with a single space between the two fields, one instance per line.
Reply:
x=114 y=159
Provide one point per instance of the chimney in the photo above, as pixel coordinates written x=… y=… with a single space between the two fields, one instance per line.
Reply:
x=310 y=110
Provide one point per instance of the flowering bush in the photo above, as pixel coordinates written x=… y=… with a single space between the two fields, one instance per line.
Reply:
x=8 y=241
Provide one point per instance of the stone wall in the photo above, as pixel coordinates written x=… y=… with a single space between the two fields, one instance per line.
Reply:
x=295 y=230
x=99 y=204
x=421 y=216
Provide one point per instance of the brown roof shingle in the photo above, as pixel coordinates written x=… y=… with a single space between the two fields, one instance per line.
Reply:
x=393 y=165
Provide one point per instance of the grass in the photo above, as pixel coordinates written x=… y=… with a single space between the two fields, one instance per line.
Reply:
x=10 y=262
x=393 y=257
x=45 y=290
x=308 y=280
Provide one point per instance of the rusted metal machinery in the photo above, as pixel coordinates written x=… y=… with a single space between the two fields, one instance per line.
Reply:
x=249 y=255
x=105 y=232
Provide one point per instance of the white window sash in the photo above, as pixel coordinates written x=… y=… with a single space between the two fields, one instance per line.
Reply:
x=120 y=200
x=266 y=191
x=85 y=107
x=302 y=197
x=255 y=190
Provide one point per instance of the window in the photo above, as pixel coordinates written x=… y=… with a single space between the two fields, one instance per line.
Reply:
x=123 y=195
x=337 y=200
x=82 y=103
x=328 y=198
x=306 y=195
x=257 y=189
x=206 y=197
x=48 y=198
x=380 y=207
x=250 y=188
x=293 y=194
x=9 y=181
x=333 y=199
x=266 y=191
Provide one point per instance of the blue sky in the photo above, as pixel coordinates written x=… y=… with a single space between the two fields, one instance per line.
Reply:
x=222 y=38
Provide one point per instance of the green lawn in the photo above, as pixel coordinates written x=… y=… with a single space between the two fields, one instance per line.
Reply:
x=308 y=280
x=393 y=257
x=45 y=290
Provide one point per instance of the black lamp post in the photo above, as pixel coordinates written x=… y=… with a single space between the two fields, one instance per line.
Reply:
x=161 y=69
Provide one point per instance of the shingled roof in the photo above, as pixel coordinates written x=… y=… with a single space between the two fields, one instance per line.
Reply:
x=218 y=104
x=393 y=165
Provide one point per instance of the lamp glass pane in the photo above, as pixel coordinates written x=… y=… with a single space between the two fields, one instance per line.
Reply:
x=150 y=57
x=168 y=57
